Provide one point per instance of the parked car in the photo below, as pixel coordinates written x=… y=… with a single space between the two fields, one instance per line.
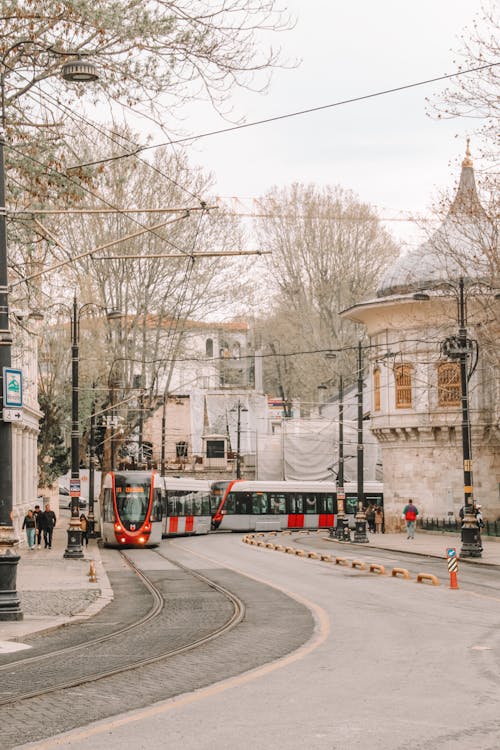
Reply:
x=65 y=499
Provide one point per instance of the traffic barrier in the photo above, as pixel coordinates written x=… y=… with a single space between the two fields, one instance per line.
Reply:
x=290 y=550
x=358 y=564
x=400 y=572
x=313 y=555
x=92 y=573
x=421 y=577
x=300 y=553
x=270 y=545
x=279 y=548
x=327 y=558
x=286 y=532
x=376 y=568
x=273 y=533
x=341 y=561
x=261 y=544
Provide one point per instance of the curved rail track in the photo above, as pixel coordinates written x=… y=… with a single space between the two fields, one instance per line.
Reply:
x=154 y=612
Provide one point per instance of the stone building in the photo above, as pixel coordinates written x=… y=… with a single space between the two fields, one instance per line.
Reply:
x=416 y=408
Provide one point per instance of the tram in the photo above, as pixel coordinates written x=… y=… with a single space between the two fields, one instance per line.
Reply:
x=131 y=509
x=242 y=505
x=186 y=506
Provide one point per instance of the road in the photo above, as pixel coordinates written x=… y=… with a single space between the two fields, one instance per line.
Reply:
x=391 y=665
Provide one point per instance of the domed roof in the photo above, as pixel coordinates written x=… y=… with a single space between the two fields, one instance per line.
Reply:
x=456 y=249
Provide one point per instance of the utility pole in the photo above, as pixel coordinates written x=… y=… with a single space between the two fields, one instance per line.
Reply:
x=342 y=527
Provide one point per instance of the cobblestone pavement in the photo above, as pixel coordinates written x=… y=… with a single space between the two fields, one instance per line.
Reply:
x=263 y=635
x=57 y=603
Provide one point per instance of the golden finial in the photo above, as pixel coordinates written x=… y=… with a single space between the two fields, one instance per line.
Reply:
x=467 y=162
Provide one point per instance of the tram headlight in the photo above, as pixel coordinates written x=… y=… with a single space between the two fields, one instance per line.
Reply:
x=123 y=540
x=141 y=540
x=118 y=527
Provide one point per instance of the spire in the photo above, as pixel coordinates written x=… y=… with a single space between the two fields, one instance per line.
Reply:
x=467 y=162
x=466 y=200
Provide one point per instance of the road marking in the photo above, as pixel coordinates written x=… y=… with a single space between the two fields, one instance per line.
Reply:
x=320 y=634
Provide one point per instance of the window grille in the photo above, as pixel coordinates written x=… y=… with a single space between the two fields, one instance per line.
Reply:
x=402 y=378
x=449 y=384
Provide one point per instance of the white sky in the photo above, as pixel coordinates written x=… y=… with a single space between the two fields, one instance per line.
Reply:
x=386 y=149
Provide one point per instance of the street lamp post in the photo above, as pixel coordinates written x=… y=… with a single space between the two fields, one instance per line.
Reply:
x=342 y=528
x=74 y=549
x=10 y=608
x=360 y=535
x=461 y=347
x=239 y=408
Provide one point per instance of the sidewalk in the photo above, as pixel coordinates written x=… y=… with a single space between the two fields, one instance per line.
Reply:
x=430 y=543
x=54 y=590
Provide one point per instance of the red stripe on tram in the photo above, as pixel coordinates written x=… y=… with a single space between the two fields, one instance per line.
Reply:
x=189 y=523
x=173 y=523
x=295 y=520
x=325 y=520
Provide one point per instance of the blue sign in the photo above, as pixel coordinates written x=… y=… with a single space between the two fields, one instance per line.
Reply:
x=12 y=388
x=451 y=552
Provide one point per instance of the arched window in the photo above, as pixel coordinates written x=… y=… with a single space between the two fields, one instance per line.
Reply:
x=209 y=347
x=402 y=379
x=449 y=384
x=376 y=389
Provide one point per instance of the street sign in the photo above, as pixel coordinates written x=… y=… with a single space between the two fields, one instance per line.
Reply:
x=12 y=415
x=12 y=388
x=74 y=487
x=451 y=554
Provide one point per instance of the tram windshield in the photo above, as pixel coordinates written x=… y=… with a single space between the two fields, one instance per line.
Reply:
x=132 y=500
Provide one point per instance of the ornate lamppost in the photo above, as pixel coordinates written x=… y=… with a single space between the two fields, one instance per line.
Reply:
x=10 y=608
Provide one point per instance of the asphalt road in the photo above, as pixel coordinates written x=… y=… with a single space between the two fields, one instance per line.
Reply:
x=391 y=665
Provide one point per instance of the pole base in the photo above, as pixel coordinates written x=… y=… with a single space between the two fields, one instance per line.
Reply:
x=360 y=536
x=74 y=549
x=471 y=540
x=10 y=606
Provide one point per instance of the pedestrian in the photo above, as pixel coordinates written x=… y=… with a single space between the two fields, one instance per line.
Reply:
x=84 y=525
x=410 y=513
x=29 y=524
x=379 y=519
x=479 y=517
x=370 y=517
x=48 y=525
x=38 y=521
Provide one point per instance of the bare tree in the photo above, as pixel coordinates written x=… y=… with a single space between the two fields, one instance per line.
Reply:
x=329 y=250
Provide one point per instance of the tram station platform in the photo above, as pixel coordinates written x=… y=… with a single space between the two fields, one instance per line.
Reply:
x=54 y=590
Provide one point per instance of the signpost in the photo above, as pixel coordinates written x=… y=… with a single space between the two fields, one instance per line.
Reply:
x=451 y=554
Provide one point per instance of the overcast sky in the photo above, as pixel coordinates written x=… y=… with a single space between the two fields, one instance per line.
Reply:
x=386 y=149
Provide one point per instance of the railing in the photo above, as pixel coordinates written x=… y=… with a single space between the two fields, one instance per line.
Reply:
x=452 y=525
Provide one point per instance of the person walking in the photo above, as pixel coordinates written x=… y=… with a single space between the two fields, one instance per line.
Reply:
x=379 y=519
x=29 y=524
x=410 y=513
x=370 y=517
x=48 y=524
x=38 y=522
x=84 y=525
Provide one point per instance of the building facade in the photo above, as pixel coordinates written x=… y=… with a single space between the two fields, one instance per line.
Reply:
x=416 y=406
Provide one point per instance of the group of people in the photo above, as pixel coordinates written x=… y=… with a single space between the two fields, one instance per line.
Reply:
x=375 y=518
x=37 y=522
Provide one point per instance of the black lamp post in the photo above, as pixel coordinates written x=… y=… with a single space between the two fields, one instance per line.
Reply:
x=10 y=608
x=461 y=347
x=360 y=535
x=74 y=548
x=238 y=408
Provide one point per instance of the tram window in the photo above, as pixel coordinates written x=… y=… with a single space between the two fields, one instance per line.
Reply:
x=156 y=509
x=205 y=505
x=277 y=502
x=310 y=506
x=108 y=511
x=295 y=503
x=197 y=505
x=132 y=507
x=229 y=504
x=243 y=503
x=170 y=504
x=328 y=505
x=259 y=503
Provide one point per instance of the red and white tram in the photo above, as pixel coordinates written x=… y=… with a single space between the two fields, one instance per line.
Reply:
x=131 y=509
x=242 y=505
x=186 y=506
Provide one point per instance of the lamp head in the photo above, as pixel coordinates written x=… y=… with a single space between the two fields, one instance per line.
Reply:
x=79 y=71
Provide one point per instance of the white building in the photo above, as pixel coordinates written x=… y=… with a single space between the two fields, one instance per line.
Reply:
x=25 y=431
x=416 y=403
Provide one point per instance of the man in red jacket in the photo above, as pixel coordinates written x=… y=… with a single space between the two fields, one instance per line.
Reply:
x=410 y=513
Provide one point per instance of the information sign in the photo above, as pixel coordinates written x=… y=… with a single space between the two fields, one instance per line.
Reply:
x=74 y=487
x=12 y=415
x=12 y=388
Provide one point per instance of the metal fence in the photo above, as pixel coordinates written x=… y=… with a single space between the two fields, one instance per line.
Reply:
x=490 y=528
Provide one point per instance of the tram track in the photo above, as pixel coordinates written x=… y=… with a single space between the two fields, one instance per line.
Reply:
x=155 y=612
